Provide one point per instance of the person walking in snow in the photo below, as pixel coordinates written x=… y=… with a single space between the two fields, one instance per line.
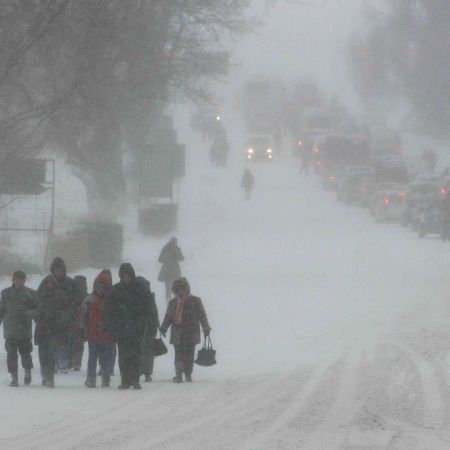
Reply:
x=100 y=343
x=170 y=258
x=76 y=342
x=247 y=183
x=185 y=313
x=67 y=286
x=17 y=308
x=125 y=318
x=52 y=326
x=151 y=329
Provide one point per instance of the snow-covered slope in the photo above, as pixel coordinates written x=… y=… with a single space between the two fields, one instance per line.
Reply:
x=331 y=332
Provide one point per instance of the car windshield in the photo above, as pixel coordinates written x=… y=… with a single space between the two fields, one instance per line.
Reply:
x=426 y=189
x=259 y=143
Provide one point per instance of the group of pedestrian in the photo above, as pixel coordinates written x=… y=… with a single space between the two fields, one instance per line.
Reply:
x=120 y=318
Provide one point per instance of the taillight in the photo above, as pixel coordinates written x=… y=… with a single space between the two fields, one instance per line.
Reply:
x=332 y=178
x=444 y=191
x=300 y=143
x=401 y=194
x=387 y=201
x=316 y=150
x=318 y=163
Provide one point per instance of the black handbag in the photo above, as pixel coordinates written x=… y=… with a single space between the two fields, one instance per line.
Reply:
x=159 y=347
x=206 y=356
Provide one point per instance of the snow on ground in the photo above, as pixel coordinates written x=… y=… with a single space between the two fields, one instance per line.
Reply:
x=331 y=332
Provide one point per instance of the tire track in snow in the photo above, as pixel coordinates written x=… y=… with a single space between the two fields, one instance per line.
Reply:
x=334 y=429
x=221 y=415
x=434 y=408
x=297 y=404
x=75 y=427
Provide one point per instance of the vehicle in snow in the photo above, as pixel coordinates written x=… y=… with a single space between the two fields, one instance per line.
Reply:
x=334 y=152
x=429 y=220
x=259 y=148
x=387 y=202
x=419 y=195
x=384 y=140
x=350 y=183
x=262 y=103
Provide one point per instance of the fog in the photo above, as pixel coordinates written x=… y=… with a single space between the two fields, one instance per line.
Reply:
x=298 y=151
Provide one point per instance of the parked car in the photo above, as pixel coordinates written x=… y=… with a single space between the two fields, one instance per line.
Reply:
x=354 y=184
x=419 y=194
x=429 y=220
x=350 y=181
x=387 y=203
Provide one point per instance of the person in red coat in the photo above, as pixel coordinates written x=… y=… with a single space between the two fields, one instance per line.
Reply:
x=100 y=343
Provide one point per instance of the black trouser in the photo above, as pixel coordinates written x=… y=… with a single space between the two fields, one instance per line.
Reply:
x=129 y=360
x=184 y=357
x=76 y=350
x=48 y=349
x=147 y=356
x=15 y=346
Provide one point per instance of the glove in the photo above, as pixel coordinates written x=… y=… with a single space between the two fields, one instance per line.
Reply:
x=206 y=332
x=162 y=331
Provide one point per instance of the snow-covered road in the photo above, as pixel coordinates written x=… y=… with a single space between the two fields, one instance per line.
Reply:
x=332 y=333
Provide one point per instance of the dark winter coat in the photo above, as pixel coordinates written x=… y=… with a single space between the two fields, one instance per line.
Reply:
x=68 y=286
x=170 y=258
x=52 y=318
x=247 y=180
x=194 y=315
x=17 y=308
x=128 y=309
x=152 y=324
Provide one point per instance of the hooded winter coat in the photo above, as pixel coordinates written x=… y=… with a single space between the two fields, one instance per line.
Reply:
x=52 y=318
x=193 y=315
x=170 y=258
x=68 y=286
x=127 y=310
x=152 y=324
x=17 y=308
x=93 y=309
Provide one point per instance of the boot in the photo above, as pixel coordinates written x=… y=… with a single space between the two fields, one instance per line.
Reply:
x=178 y=378
x=90 y=383
x=148 y=378
x=106 y=381
x=14 y=380
x=188 y=377
x=27 y=378
x=137 y=385
x=125 y=384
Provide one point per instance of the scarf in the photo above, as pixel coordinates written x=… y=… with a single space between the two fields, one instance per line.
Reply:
x=179 y=311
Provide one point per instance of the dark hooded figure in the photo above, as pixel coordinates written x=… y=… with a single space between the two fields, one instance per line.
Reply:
x=185 y=313
x=125 y=319
x=52 y=325
x=170 y=258
x=76 y=342
x=247 y=182
x=17 y=308
x=67 y=286
x=151 y=329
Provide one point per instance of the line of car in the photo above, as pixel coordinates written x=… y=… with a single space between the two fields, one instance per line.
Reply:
x=389 y=193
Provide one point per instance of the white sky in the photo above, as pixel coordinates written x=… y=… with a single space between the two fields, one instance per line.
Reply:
x=303 y=42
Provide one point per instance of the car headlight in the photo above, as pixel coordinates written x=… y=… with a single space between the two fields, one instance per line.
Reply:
x=269 y=151
x=250 y=151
